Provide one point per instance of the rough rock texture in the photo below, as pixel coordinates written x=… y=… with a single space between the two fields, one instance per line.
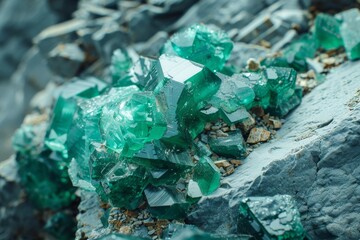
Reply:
x=17 y=217
x=315 y=158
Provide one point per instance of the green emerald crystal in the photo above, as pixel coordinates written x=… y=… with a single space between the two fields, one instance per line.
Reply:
x=201 y=44
x=281 y=82
x=65 y=109
x=181 y=87
x=349 y=31
x=231 y=146
x=46 y=181
x=166 y=202
x=120 y=67
x=234 y=92
x=209 y=114
x=327 y=32
x=270 y=218
x=207 y=175
x=124 y=185
x=239 y=116
x=259 y=84
x=202 y=149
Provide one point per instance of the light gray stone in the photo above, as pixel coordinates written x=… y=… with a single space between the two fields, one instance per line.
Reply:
x=315 y=158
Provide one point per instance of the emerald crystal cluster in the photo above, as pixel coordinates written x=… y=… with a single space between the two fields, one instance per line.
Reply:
x=329 y=33
x=134 y=139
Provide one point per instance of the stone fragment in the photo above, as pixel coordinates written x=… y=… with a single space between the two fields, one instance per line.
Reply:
x=194 y=191
x=327 y=32
x=270 y=217
x=258 y=135
x=349 y=32
x=252 y=65
x=66 y=59
x=109 y=38
x=64 y=32
x=166 y=202
x=201 y=44
x=207 y=175
x=275 y=123
x=120 y=66
x=231 y=146
x=222 y=163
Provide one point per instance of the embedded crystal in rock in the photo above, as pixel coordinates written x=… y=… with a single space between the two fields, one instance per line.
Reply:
x=166 y=202
x=271 y=218
x=207 y=175
x=349 y=31
x=231 y=146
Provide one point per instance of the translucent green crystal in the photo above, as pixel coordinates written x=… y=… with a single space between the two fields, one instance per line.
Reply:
x=65 y=109
x=327 y=31
x=259 y=84
x=166 y=202
x=202 y=149
x=230 y=146
x=349 y=31
x=207 y=175
x=281 y=82
x=124 y=185
x=201 y=44
x=46 y=181
x=181 y=87
x=120 y=67
x=270 y=218
x=234 y=92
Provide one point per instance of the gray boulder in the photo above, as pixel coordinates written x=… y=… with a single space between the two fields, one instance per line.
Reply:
x=315 y=158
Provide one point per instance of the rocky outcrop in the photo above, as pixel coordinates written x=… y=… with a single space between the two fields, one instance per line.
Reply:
x=315 y=158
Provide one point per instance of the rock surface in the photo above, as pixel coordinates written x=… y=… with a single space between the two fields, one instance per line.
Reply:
x=315 y=158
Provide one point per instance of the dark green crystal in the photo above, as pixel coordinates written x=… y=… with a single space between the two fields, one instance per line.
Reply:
x=327 y=31
x=230 y=146
x=270 y=218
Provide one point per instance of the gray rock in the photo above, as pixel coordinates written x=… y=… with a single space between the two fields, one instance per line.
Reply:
x=64 y=32
x=20 y=21
x=17 y=217
x=110 y=37
x=31 y=77
x=89 y=222
x=152 y=47
x=242 y=52
x=314 y=158
x=66 y=59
